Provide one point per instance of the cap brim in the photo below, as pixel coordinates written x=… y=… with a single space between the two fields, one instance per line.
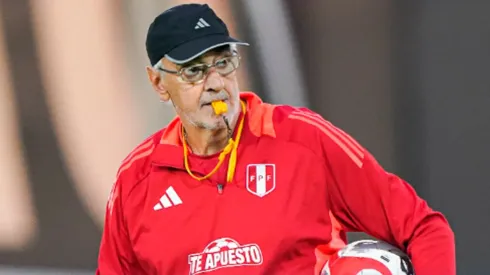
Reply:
x=194 y=48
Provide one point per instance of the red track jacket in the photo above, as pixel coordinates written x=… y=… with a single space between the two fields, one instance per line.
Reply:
x=297 y=179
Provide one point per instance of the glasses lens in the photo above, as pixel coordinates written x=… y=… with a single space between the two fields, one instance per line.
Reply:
x=193 y=73
x=224 y=66
x=227 y=65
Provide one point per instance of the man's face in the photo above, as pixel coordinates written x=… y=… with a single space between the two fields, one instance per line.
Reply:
x=192 y=100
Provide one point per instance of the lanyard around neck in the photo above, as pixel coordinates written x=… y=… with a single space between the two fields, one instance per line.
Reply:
x=231 y=147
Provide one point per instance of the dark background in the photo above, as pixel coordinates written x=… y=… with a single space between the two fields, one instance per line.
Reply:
x=408 y=79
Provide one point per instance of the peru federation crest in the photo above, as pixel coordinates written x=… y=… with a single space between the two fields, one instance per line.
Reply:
x=261 y=179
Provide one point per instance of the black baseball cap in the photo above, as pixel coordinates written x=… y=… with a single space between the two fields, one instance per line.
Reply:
x=185 y=32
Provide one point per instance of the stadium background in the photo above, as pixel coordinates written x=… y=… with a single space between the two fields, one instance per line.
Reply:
x=408 y=79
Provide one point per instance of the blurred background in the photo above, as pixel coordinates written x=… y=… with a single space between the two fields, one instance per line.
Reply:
x=410 y=80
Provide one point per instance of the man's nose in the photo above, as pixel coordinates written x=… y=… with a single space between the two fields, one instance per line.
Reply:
x=214 y=82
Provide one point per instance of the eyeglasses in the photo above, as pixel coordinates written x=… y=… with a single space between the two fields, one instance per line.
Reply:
x=196 y=73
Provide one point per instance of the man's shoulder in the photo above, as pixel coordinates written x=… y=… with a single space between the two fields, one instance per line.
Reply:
x=268 y=119
x=136 y=164
x=308 y=128
x=297 y=122
x=287 y=113
x=133 y=169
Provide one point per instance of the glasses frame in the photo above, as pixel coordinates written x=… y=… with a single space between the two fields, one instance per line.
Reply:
x=206 y=66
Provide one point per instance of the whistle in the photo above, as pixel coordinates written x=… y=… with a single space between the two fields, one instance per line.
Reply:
x=219 y=107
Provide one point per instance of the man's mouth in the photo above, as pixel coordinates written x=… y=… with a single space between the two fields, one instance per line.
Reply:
x=209 y=103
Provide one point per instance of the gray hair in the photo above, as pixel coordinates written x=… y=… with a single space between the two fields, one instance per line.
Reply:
x=159 y=65
x=233 y=48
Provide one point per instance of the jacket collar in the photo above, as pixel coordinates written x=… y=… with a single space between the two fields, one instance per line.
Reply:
x=258 y=122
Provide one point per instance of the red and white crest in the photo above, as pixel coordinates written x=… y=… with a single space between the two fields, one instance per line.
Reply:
x=261 y=179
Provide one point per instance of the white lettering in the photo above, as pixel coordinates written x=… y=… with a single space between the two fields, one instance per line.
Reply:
x=256 y=255
x=199 y=263
x=209 y=262
x=239 y=255
x=250 y=255
x=247 y=255
x=231 y=256
x=217 y=256
x=224 y=257
x=195 y=262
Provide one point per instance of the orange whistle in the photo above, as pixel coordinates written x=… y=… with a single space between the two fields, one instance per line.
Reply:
x=219 y=107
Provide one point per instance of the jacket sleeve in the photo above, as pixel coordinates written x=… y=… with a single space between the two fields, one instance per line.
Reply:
x=366 y=198
x=116 y=255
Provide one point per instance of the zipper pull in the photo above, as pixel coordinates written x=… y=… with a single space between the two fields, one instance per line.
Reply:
x=220 y=188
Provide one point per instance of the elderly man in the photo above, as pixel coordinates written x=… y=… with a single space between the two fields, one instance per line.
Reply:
x=234 y=185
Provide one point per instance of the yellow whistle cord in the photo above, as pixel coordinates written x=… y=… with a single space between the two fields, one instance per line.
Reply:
x=231 y=147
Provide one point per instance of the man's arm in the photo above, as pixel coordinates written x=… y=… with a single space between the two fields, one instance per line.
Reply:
x=366 y=198
x=116 y=255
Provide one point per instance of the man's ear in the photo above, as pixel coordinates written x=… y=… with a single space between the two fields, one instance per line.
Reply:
x=157 y=83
